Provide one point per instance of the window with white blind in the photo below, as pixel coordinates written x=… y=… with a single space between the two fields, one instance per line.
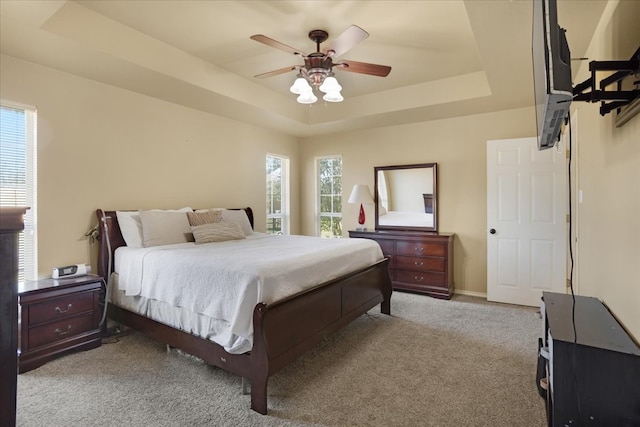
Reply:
x=329 y=176
x=18 y=178
x=277 y=194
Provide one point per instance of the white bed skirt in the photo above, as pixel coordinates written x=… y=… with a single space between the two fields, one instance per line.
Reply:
x=176 y=317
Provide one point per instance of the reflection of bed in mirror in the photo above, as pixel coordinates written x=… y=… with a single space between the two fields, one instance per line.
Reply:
x=411 y=219
x=406 y=197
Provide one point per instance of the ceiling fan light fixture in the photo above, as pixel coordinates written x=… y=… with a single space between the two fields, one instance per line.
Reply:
x=307 y=97
x=317 y=71
x=301 y=85
x=330 y=84
x=334 y=96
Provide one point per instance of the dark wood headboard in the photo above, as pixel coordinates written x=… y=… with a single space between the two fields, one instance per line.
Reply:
x=108 y=226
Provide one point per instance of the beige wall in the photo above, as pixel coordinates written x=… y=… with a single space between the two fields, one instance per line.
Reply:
x=608 y=173
x=104 y=147
x=458 y=145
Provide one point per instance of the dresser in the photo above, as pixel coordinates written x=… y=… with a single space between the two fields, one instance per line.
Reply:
x=420 y=262
x=58 y=316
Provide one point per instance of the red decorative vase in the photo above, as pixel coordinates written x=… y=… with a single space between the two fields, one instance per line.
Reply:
x=361 y=217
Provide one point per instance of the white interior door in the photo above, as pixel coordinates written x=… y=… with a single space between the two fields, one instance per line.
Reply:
x=526 y=221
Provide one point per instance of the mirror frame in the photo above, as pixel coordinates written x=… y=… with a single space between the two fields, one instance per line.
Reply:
x=434 y=228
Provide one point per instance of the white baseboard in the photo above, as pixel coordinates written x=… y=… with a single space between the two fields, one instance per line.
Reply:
x=471 y=293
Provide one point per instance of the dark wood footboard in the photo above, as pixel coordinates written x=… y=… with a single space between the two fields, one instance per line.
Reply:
x=287 y=329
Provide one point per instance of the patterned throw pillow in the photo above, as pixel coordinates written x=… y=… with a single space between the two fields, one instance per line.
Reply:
x=217 y=232
x=206 y=217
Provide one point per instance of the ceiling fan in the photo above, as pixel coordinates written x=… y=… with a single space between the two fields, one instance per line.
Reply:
x=318 y=66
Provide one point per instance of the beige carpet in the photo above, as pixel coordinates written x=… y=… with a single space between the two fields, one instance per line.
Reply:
x=463 y=362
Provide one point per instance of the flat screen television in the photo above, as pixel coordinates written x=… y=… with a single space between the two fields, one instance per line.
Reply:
x=553 y=90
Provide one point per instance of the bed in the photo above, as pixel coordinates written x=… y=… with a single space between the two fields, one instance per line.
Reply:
x=283 y=325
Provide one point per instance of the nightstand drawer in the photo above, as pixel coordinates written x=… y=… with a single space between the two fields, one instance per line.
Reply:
x=58 y=308
x=417 y=248
x=60 y=330
x=420 y=264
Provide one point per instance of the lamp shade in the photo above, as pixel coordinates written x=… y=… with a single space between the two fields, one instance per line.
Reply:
x=330 y=84
x=307 y=97
x=360 y=194
x=333 y=97
x=300 y=85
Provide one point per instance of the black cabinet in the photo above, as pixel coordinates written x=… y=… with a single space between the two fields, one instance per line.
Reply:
x=593 y=367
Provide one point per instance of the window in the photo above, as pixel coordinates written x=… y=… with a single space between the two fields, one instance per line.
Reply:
x=329 y=171
x=18 y=178
x=277 y=194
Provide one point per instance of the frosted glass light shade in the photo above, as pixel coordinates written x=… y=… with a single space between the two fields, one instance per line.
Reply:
x=333 y=97
x=300 y=86
x=307 y=97
x=330 y=84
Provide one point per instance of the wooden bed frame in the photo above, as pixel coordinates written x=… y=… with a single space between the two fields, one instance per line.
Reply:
x=282 y=331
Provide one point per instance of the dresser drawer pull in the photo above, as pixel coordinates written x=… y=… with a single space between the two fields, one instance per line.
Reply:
x=60 y=311
x=420 y=249
x=418 y=279
x=59 y=332
x=418 y=264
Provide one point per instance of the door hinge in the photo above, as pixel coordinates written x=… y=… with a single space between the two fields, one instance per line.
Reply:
x=567 y=153
x=568 y=283
x=568 y=218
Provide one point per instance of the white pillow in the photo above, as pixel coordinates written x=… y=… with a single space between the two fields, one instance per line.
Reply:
x=164 y=228
x=131 y=228
x=239 y=217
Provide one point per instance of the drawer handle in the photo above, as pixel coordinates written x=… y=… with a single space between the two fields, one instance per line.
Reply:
x=420 y=249
x=418 y=264
x=60 y=311
x=59 y=332
x=418 y=279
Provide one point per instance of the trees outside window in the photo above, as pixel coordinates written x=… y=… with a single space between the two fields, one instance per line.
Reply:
x=329 y=170
x=277 y=194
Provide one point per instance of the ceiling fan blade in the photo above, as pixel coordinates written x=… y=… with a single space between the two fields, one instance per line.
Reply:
x=346 y=41
x=363 y=68
x=274 y=43
x=277 y=72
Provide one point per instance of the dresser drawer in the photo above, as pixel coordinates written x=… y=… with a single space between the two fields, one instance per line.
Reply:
x=420 y=277
x=60 y=330
x=58 y=308
x=420 y=263
x=417 y=248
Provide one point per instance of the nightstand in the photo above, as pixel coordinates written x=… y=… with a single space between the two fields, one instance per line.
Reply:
x=57 y=316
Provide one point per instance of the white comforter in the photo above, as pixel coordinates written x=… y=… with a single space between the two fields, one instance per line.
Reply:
x=226 y=280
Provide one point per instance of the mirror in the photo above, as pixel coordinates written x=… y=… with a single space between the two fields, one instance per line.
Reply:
x=406 y=197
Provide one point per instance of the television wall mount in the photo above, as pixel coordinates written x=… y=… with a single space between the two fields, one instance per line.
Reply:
x=610 y=99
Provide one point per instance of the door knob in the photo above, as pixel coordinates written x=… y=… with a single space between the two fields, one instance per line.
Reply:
x=492 y=231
